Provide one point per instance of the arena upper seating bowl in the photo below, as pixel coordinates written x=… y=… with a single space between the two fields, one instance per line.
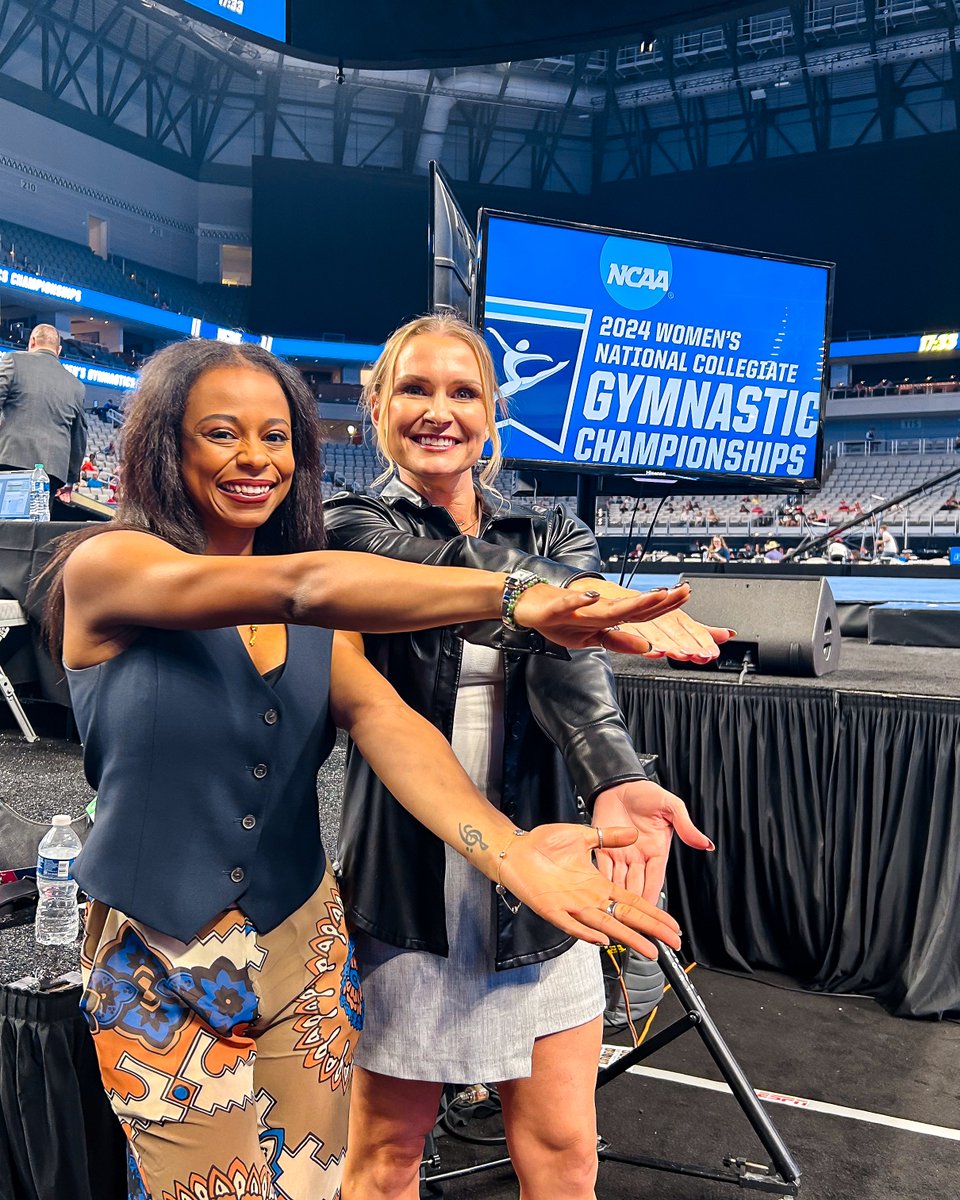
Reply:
x=70 y=262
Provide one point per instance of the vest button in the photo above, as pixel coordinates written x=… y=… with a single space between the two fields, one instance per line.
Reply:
x=271 y=716
x=260 y=771
x=248 y=822
x=237 y=874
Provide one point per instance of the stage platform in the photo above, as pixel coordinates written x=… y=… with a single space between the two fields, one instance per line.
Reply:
x=889 y=671
x=835 y=807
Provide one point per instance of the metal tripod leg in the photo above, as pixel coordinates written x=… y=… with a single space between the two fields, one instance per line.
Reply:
x=786 y=1179
x=6 y=689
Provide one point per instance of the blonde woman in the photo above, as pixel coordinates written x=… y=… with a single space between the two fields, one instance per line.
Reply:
x=463 y=984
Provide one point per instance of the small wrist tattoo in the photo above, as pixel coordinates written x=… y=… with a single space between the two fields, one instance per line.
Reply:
x=472 y=837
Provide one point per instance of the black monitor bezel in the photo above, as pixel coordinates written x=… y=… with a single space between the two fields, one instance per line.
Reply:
x=437 y=176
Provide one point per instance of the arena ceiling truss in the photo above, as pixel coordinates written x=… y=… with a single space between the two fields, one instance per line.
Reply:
x=798 y=79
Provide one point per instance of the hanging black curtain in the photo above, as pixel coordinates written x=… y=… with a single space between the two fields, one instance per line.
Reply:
x=893 y=844
x=837 y=832
x=58 y=1135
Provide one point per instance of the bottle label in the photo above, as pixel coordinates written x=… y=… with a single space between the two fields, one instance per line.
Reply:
x=54 y=868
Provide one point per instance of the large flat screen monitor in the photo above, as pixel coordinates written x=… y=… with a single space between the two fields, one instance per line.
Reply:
x=626 y=353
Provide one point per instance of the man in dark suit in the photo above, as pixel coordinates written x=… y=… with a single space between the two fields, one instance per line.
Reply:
x=41 y=411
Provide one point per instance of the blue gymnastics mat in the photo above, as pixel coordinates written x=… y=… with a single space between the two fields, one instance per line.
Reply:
x=847 y=589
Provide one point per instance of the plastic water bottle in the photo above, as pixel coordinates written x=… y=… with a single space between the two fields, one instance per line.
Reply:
x=39 y=494
x=58 y=919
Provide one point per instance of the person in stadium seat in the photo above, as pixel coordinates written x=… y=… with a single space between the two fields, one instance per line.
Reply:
x=718 y=550
x=195 y=631
x=463 y=985
x=41 y=411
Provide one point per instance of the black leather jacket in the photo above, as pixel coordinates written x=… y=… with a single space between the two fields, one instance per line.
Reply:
x=563 y=727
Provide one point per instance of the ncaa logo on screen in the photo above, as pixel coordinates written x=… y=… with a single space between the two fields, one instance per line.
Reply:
x=636 y=274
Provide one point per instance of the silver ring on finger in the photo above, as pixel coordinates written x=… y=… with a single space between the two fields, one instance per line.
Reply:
x=599 y=838
x=611 y=908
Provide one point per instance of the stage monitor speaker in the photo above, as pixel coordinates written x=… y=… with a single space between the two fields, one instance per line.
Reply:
x=787 y=626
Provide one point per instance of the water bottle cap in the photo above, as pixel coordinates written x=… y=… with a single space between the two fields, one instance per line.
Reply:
x=38 y=466
x=62 y=819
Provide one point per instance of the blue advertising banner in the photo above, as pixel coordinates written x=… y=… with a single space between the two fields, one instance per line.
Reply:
x=98 y=375
x=621 y=353
x=78 y=296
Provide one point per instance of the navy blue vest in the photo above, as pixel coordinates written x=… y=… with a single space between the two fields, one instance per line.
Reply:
x=205 y=777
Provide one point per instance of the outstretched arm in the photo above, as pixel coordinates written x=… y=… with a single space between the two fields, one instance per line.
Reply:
x=548 y=869
x=365 y=523
x=120 y=580
x=580 y=712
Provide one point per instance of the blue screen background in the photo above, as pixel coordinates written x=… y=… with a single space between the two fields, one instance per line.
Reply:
x=549 y=298
x=267 y=17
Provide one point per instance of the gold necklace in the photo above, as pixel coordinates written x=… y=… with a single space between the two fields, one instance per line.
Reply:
x=473 y=521
x=253 y=635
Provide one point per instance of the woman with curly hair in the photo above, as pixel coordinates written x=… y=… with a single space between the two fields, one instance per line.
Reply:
x=206 y=682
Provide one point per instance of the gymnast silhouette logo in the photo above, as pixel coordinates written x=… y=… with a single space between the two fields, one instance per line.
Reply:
x=537 y=349
x=514 y=357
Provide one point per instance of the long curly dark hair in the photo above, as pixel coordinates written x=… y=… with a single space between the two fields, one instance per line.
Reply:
x=152 y=495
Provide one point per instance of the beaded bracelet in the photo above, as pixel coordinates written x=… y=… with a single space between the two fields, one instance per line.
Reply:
x=516 y=583
x=501 y=890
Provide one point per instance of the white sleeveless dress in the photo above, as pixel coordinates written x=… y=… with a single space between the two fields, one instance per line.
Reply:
x=457 y=1019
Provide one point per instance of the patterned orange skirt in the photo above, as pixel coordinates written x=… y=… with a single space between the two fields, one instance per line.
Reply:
x=228 y=1058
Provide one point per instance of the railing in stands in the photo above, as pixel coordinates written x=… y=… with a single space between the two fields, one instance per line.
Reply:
x=902 y=526
x=878 y=447
x=896 y=389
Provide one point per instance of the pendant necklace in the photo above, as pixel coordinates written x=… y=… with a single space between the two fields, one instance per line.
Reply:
x=253 y=635
x=473 y=521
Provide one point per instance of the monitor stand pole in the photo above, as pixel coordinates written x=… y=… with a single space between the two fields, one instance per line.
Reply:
x=587 y=500
x=782 y=1176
